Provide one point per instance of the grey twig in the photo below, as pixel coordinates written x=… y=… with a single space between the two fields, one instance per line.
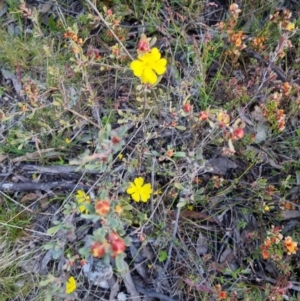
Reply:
x=173 y=238
x=130 y=286
x=153 y=294
x=258 y=57
x=58 y=169
x=47 y=186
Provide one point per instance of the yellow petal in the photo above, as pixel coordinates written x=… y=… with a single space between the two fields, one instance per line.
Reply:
x=155 y=54
x=160 y=66
x=81 y=196
x=136 y=197
x=143 y=57
x=139 y=182
x=149 y=76
x=147 y=188
x=131 y=189
x=137 y=67
x=70 y=285
x=80 y=193
x=145 y=196
x=82 y=208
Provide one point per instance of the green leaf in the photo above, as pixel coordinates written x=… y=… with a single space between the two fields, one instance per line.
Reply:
x=44 y=282
x=85 y=252
x=178 y=186
x=49 y=245
x=90 y=166
x=57 y=253
x=56 y=103
x=162 y=255
x=52 y=24
x=182 y=203
x=121 y=131
x=48 y=297
x=93 y=217
x=199 y=191
x=180 y=127
x=108 y=129
x=54 y=229
x=99 y=234
x=127 y=240
x=127 y=207
x=179 y=154
x=121 y=231
x=120 y=265
x=89 y=207
x=57 y=223
x=113 y=223
x=103 y=195
x=155 y=153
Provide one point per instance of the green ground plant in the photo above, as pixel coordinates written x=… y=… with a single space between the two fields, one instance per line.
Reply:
x=158 y=139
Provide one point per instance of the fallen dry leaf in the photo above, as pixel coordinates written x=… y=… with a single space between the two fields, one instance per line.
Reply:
x=195 y=215
x=257 y=114
x=3 y=157
x=198 y=287
x=29 y=197
x=10 y=76
x=220 y=165
x=202 y=245
x=290 y=214
x=226 y=255
x=261 y=132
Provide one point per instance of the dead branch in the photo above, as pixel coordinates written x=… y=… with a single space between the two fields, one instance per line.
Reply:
x=153 y=294
x=58 y=169
x=48 y=187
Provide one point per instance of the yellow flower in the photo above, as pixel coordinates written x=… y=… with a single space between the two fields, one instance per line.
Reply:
x=290 y=26
x=190 y=207
x=118 y=209
x=223 y=118
x=148 y=66
x=138 y=191
x=70 y=285
x=82 y=198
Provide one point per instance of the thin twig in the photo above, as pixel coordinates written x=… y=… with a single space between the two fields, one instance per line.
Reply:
x=26 y=229
x=130 y=286
x=17 y=203
x=271 y=65
x=48 y=186
x=153 y=294
x=274 y=281
x=57 y=170
x=83 y=117
x=108 y=27
x=173 y=238
x=152 y=182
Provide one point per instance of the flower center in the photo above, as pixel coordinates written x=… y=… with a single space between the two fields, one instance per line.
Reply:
x=139 y=190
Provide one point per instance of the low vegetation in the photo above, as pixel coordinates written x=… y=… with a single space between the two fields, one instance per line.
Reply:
x=149 y=148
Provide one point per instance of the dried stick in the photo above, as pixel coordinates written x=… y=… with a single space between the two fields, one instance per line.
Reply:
x=153 y=294
x=17 y=187
x=173 y=238
x=276 y=69
x=108 y=27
